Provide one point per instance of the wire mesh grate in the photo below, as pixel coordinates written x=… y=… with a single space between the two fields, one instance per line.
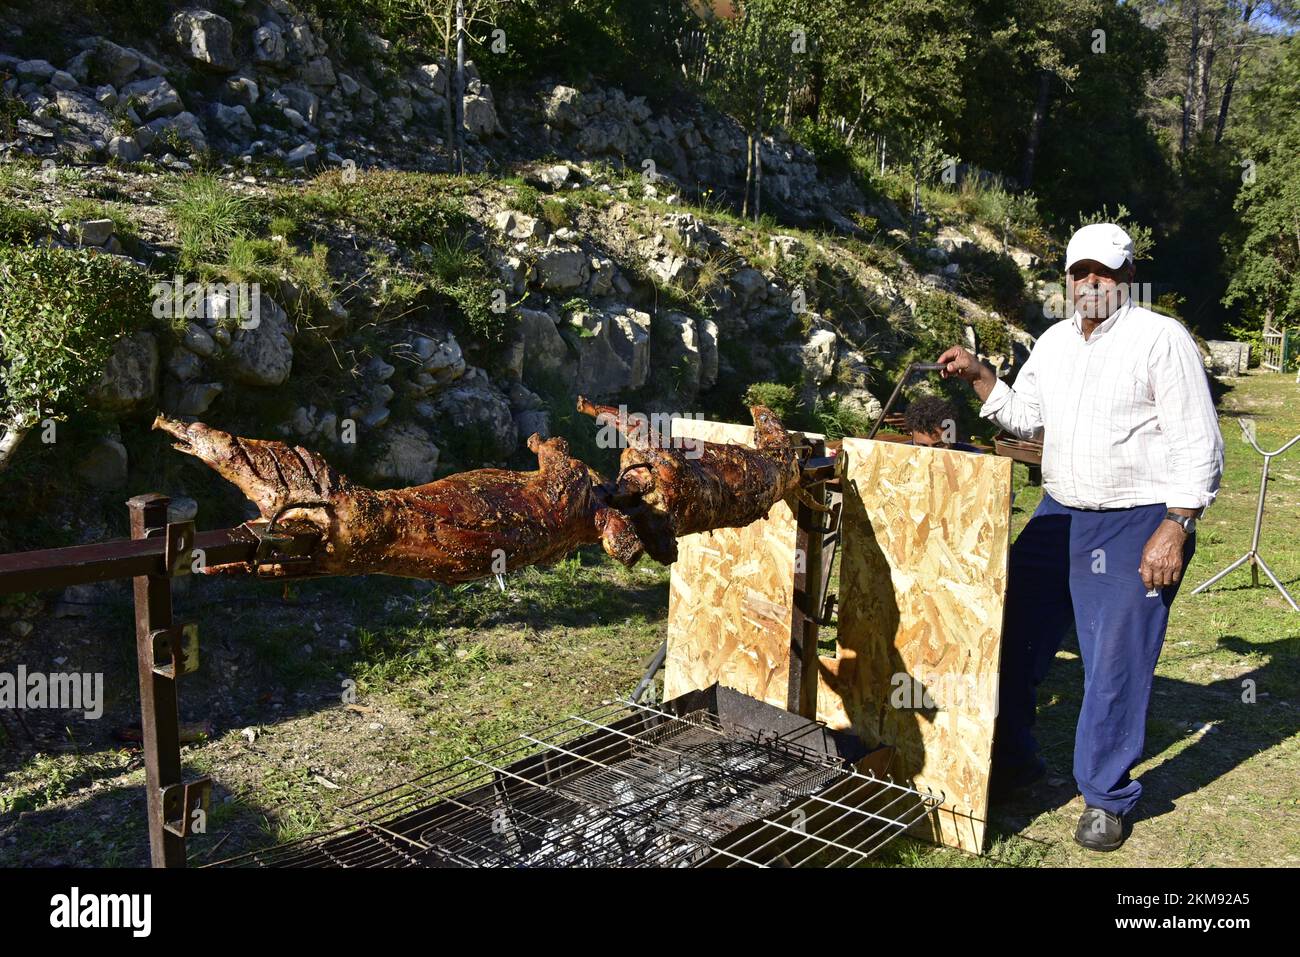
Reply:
x=622 y=785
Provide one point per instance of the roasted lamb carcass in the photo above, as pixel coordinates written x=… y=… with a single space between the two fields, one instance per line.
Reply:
x=670 y=488
x=459 y=528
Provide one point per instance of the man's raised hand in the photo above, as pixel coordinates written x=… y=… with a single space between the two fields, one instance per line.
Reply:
x=962 y=364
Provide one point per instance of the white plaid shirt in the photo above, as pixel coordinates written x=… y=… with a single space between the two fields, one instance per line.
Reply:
x=1125 y=416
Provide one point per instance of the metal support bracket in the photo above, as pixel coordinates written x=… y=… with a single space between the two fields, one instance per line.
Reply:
x=180 y=801
x=179 y=647
x=178 y=557
x=274 y=547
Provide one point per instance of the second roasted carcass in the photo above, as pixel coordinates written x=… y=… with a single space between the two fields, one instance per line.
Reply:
x=460 y=528
x=671 y=488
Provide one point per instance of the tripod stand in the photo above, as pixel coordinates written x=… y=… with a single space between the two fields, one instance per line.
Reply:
x=1253 y=556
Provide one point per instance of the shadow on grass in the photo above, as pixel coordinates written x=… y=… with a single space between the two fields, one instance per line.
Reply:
x=1243 y=727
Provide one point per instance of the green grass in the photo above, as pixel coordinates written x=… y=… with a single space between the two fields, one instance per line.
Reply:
x=75 y=211
x=209 y=214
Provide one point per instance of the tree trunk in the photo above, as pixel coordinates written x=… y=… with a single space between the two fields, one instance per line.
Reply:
x=460 y=86
x=10 y=441
x=818 y=85
x=1189 y=90
x=1246 y=13
x=451 y=111
x=1036 y=128
x=1208 y=53
x=749 y=174
x=863 y=102
x=758 y=153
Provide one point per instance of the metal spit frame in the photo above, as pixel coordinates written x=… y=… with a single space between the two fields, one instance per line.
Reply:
x=159 y=551
x=166 y=651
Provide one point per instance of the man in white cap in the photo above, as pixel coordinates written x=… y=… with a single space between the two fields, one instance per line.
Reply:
x=1132 y=455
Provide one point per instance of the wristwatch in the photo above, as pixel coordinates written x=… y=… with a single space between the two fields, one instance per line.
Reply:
x=1188 y=522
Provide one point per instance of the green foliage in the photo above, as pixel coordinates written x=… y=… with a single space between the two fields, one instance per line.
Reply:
x=209 y=215
x=1143 y=242
x=630 y=43
x=408 y=208
x=1263 y=249
x=826 y=143
x=12 y=109
x=284 y=227
x=991 y=279
x=556 y=213
x=781 y=399
x=892 y=66
x=459 y=273
x=61 y=311
x=79 y=210
x=939 y=320
x=836 y=421
x=21 y=226
x=527 y=199
x=269 y=262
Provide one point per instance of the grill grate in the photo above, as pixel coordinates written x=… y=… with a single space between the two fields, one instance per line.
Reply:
x=626 y=785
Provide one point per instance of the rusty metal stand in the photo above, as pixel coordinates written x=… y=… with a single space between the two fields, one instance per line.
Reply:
x=165 y=652
x=810 y=579
x=172 y=803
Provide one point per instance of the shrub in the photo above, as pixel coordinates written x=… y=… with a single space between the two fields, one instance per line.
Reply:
x=267 y=261
x=826 y=143
x=21 y=226
x=556 y=213
x=408 y=208
x=527 y=199
x=61 y=312
x=457 y=272
x=991 y=279
x=835 y=420
x=939 y=320
x=779 y=398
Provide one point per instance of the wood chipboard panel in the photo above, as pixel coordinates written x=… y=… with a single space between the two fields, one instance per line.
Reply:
x=923 y=560
x=922 y=584
x=731 y=597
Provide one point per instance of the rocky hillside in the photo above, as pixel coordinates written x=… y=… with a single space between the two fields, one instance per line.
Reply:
x=410 y=322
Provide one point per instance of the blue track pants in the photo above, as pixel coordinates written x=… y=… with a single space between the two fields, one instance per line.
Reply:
x=1082 y=566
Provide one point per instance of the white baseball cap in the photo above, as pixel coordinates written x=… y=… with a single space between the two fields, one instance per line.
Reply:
x=1104 y=242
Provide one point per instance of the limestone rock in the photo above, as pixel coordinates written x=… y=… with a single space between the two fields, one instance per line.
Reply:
x=130 y=379
x=562 y=270
x=545 y=353
x=263 y=355
x=407 y=456
x=104 y=464
x=204 y=38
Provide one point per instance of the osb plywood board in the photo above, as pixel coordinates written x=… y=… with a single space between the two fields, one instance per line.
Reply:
x=922 y=584
x=731 y=597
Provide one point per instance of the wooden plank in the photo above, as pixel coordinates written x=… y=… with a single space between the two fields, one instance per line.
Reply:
x=922 y=583
x=731 y=597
